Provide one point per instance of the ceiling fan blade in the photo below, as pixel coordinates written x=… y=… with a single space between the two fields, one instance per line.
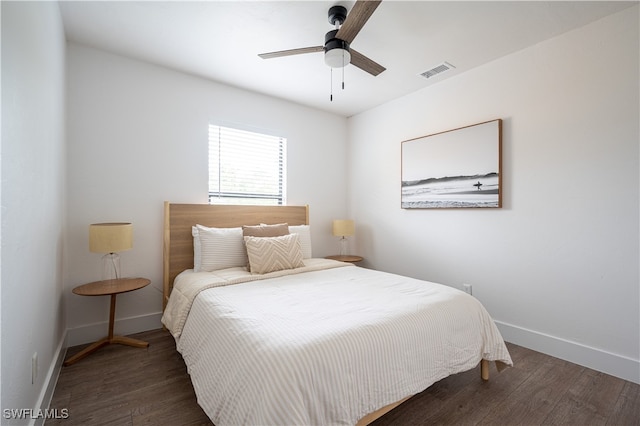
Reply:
x=291 y=52
x=357 y=17
x=365 y=64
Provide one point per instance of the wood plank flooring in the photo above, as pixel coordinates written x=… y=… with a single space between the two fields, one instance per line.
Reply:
x=120 y=385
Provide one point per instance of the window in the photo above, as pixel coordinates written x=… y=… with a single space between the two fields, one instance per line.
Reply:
x=246 y=167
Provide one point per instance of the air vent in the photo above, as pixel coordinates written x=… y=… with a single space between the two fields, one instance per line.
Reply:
x=438 y=69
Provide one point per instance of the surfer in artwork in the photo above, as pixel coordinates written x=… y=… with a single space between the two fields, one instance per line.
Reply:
x=473 y=190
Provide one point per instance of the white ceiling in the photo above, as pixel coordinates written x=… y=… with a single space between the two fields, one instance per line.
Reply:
x=221 y=40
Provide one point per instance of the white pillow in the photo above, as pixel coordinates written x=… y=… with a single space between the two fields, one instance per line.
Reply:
x=270 y=254
x=196 y=248
x=217 y=248
x=304 y=233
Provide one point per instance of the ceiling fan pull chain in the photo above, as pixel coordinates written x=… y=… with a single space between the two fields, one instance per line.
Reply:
x=331 y=89
x=343 y=67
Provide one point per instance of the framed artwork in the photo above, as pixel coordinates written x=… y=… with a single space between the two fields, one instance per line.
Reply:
x=460 y=168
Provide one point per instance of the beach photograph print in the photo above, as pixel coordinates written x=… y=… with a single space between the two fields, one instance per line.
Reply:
x=458 y=168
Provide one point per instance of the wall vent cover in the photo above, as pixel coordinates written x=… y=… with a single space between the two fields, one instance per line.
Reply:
x=438 y=69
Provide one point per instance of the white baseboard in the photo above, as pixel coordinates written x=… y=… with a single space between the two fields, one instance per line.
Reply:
x=96 y=331
x=50 y=381
x=596 y=359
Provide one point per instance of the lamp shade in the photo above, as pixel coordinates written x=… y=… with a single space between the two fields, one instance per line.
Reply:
x=110 y=237
x=343 y=228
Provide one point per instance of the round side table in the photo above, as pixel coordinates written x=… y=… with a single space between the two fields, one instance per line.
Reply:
x=109 y=288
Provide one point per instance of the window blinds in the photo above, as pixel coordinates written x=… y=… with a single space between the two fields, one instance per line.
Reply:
x=245 y=167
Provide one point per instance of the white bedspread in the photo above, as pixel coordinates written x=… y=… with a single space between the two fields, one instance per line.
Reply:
x=325 y=346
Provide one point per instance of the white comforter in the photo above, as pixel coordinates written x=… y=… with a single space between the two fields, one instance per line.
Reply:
x=326 y=346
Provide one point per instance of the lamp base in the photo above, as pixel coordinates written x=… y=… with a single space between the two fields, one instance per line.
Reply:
x=110 y=266
x=343 y=246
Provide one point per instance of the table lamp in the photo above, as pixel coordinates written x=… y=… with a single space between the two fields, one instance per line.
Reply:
x=110 y=238
x=343 y=228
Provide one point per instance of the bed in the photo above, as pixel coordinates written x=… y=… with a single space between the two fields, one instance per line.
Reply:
x=304 y=340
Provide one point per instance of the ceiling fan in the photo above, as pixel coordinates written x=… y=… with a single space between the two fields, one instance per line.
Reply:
x=337 y=43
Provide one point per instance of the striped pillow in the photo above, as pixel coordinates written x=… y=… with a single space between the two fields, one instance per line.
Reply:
x=270 y=254
x=219 y=248
x=304 y=233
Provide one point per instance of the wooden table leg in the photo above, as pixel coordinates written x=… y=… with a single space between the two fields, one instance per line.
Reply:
x=121 y=340
x=112 y=316
x=484 y=369
x=86 y=351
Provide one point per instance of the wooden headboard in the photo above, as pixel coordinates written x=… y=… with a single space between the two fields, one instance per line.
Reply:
x=179 y=218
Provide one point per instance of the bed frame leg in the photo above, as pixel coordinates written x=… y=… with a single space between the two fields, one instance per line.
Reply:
x=484 y=370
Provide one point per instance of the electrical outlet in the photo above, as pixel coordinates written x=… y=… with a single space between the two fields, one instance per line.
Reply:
x=467 y=288
x=34 y=367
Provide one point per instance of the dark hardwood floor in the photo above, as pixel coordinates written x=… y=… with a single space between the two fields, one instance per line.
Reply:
x=120 y=385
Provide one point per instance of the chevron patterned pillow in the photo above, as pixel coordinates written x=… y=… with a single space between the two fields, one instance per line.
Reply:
x=269 y=254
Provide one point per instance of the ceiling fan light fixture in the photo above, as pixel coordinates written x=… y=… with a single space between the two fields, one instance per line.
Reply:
x=337 y=58
x=336 y=51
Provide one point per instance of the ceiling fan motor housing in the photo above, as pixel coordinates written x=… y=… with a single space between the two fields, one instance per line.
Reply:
x=337 y=14
x=336 y=51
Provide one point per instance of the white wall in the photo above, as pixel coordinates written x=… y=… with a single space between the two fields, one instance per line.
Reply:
x=558 y=265
x=138 y=137
x=33 y=200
